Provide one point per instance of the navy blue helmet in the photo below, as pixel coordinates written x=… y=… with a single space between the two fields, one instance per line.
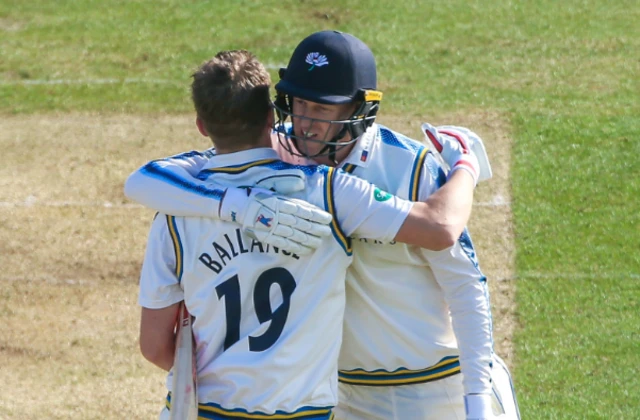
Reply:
x=329 y=67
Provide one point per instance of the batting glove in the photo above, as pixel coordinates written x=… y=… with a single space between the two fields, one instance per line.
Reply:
x=293 y=225
x=452 y=142
x=288 y=181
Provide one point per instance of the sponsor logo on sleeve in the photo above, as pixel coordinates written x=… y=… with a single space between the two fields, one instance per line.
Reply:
x=380 y=195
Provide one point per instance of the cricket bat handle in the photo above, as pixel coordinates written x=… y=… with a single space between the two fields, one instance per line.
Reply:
x=183 y=387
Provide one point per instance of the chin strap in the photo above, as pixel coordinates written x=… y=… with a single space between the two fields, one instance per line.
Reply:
x=332 y=147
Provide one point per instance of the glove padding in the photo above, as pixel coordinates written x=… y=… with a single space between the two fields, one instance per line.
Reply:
x=286 y=182
x=293 y=225
x=452 y=142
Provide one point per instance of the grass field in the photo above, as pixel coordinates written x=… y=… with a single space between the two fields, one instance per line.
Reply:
x=90 y=90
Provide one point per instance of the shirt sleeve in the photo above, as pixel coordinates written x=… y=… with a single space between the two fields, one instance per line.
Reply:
x=362 y=209
x=159 y=279
x=464 y=286
x=170 y=186
x=465 y=291
x=432 y=176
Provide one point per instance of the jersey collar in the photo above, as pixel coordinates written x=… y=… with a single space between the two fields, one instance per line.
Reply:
x=241 y=158
x=361 y=153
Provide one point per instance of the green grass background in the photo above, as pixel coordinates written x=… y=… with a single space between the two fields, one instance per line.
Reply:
x=565 y=73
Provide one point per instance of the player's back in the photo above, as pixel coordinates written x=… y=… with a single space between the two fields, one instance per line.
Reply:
x=268 y=323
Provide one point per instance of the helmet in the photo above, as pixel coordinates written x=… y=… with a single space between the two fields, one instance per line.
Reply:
x=329 y=67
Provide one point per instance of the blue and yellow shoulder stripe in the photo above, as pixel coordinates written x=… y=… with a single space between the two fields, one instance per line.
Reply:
x=330 y=207
x=420 y=153
x=446 y=367
x=177 y=245
x=275 y=164
x=349 y=168
x=237 y=169
x=416 y=173
x=211 y=411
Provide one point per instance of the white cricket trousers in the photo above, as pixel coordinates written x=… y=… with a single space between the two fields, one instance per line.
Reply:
x=437 y=400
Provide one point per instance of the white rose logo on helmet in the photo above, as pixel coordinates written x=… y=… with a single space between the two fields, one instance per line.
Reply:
x=316 y=60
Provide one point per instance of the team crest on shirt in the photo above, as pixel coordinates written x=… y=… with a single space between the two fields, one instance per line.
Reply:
x=264 y=220
x=316 y=60
x=380 y=195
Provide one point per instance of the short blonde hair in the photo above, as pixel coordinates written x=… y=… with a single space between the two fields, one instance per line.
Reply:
x=230 y=93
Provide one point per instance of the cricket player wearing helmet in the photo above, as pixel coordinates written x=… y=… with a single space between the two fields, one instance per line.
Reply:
x=402 y=352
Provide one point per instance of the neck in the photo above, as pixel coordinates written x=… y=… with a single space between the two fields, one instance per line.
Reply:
x=265 y=141
x=226 y=150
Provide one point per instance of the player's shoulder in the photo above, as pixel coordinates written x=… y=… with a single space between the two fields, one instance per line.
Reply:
x=400 y=152
x=253 y=169
x=160 y=225
x=329 y=178
x=394 y=139
x=410 y=160
x=281 y=165
x=194 y=154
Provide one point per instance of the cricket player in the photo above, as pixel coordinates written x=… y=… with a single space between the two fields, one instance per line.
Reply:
x=417 y=338
x=267 y=322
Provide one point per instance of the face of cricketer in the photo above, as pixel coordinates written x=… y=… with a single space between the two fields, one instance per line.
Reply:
x=312 y=124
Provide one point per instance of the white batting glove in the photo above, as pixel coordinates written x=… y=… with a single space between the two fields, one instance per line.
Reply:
x=451 y=142
x=293 y=225
x=286 y=182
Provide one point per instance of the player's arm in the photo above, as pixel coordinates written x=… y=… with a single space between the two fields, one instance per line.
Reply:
x=434 y=224
x=465 y=291
x=365 y=211
x=443 y=216
x=159 y=296
x=171 y=186
x=157 y=335
x=463 y=284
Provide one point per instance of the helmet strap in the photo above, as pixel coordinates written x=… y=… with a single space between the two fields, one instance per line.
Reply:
x=332 y=146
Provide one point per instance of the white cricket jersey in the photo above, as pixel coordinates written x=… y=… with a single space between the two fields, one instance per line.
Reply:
x=401 y=299
x=268 y=323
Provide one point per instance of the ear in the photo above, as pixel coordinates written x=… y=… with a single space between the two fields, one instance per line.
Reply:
x=270 y=119
x=201 y=128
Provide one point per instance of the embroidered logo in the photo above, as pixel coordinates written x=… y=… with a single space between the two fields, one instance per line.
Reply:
x=380 y=195
x=316 y=60
x=264 y=220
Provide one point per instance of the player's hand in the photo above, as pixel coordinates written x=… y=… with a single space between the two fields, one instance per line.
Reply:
x=293 y=225
x=453 y=143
